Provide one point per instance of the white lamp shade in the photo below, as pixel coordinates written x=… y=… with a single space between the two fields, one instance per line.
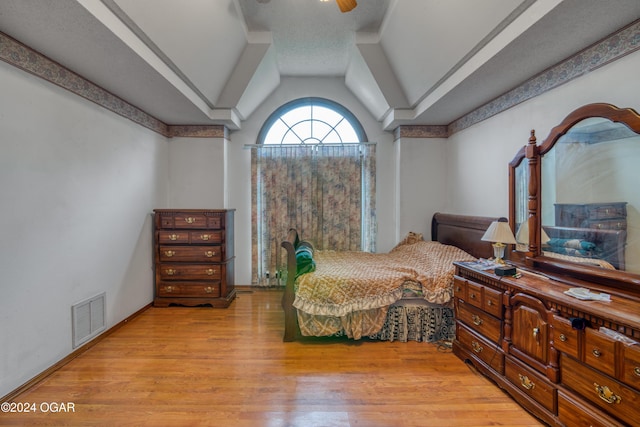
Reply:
x=499 y=232
x=522 y=236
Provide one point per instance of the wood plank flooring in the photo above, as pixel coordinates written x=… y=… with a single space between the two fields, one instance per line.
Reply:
x=181 y=366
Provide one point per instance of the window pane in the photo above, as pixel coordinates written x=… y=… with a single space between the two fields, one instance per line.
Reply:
x=297 y=114
x=303 y=130
x=347 y=132
x=327 y=115
x=276 y=132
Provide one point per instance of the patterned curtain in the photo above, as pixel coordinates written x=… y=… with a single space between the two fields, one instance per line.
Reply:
x=327 y=192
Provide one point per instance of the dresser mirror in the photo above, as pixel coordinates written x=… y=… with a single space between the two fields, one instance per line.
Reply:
x=575 y=201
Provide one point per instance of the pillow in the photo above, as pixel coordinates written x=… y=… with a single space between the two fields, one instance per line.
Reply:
x=581 y=245
x=304 y=259
x=411 y=238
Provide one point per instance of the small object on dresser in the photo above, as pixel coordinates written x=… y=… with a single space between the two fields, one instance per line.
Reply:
x=587 y=295
x=505 y=271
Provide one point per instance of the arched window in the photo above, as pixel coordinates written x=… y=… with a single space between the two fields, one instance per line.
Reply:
x=312 y=169
x=311 y=121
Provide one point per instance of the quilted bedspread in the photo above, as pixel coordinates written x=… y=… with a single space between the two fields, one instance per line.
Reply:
x=351 y=291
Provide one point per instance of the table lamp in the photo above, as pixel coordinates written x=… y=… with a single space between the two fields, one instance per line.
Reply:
x=500 y=234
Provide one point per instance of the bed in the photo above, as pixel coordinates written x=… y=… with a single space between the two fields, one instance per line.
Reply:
x=405 y=294
x=601 y=247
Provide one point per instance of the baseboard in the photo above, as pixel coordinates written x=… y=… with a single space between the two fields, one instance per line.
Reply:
x=77 y=352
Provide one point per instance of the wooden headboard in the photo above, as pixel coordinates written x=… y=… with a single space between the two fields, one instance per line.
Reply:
x=464 y=232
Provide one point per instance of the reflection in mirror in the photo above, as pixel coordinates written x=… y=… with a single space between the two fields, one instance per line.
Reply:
x=521 y=194
x=590 y=197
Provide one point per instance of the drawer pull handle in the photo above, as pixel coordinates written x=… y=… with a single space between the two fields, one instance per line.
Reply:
x=190 y=220
x=563 y=337
x=606 y=394
x=472 y=296
x=596 y=352
x=208 y=289
x=526 y=382
x=170 y=272
x=210 y=271
x=168 y=289
x=169 y=253
x=476 y=320
x=458 y=288
x=489 y=302
x=476 y=347
x=205 y=236
x=636 y=371
x=174 y=237
x=209 y=254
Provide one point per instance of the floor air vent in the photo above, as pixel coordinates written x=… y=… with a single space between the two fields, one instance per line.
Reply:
x=88 y=319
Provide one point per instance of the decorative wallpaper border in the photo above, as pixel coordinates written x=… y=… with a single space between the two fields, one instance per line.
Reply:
x=27 y=59
x=17 y=54
x=199 y=131
x=421 y=131
x=610 y=49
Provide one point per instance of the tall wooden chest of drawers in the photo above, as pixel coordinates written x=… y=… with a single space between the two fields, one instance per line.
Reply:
x=193 y=257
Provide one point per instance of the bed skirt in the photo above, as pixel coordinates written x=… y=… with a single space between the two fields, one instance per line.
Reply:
x=418 y=321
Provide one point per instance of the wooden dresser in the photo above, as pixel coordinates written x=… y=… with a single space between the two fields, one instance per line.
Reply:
x=608 y=216
x=193 y=251
x=546 y=349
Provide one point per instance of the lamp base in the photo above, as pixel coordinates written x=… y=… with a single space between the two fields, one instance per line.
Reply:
x=498 y=252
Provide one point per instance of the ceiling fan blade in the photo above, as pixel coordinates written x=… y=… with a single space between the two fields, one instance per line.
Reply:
x=346 y=5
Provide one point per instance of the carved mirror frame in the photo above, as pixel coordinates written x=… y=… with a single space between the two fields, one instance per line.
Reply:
x=532 y=256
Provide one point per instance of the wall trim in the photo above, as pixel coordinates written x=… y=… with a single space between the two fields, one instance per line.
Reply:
x=199 y=131
x=420 y=131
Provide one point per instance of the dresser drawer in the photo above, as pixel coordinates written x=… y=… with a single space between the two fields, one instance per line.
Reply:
x=492 y=302
x=489 y=353
x=207 y=290
x=459 y=287
x=600 y=351
x=474 y=294
x=610 y=224
x=565 y=338
x=173 y=237
x=606 y=211
x=478 y=295
x=531 y=383
x=190 y=253
x=631 y=365
x=603 y=391
x=574 y=412
x=479 y=321
x=206 y=237
x=190 y=272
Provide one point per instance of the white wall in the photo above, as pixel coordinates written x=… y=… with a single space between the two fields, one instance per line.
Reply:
x=78 y=185
x=196 y=173
x=478 y=157
x=422 y=190
x=239 y=162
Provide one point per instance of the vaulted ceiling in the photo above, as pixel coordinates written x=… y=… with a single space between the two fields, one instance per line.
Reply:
x=215 y=61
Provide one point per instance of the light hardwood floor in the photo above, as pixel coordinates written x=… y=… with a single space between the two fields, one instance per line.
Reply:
x=181 y=366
